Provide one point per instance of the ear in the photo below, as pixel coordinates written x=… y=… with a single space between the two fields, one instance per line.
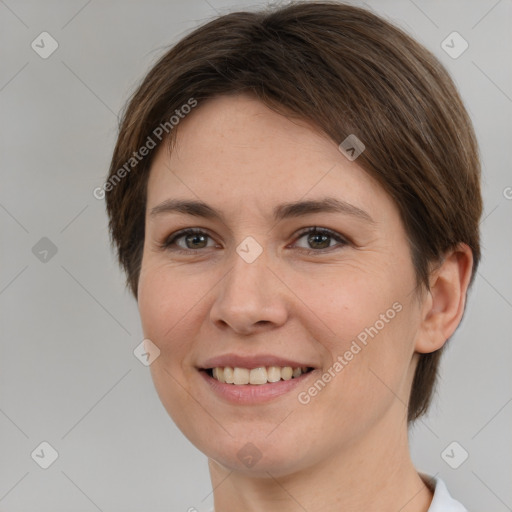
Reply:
x=443 y=306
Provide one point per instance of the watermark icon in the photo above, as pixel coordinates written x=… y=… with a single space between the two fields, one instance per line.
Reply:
x=44 y=250
x=44 y=455
x=146 y=352
x=454 y=45
x=249 y=249
x=44 y=45
x=158 y=133
x=304 y=397
x=351 y=147
x=454 y=455
x=507 y=192
x=249 y=455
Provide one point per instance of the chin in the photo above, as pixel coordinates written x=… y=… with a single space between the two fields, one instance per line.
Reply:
x=258 y=453
x=270 y=464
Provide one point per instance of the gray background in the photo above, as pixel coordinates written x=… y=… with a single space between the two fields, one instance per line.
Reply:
x=68 y=374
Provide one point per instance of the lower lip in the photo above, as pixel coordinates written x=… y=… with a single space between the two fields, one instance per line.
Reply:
x=254 y=393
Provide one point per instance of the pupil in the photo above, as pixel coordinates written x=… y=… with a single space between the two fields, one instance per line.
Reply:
x=322 y=236
x=190 y=238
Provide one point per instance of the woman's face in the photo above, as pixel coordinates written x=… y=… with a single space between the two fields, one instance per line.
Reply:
x=254 y=287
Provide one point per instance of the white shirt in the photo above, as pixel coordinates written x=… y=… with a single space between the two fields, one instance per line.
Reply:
x=442 y=501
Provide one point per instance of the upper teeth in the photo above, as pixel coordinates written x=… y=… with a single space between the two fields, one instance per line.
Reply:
x=261 y=375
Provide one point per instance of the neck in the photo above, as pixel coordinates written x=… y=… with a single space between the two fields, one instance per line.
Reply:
x=383 y=479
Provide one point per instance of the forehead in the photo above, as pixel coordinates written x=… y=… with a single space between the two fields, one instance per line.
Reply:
x=234 y=150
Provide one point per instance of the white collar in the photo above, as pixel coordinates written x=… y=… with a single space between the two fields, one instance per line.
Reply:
x=442 y=500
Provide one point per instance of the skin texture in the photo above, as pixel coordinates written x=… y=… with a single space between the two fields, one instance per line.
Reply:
x=347 y=449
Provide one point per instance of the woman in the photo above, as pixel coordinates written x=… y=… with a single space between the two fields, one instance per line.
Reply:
x=295 y=198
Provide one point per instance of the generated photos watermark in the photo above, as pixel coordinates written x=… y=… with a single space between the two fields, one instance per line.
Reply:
x=158 y=133
x=304 y=397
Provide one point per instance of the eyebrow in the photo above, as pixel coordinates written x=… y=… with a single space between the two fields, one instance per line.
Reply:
x=280 y=212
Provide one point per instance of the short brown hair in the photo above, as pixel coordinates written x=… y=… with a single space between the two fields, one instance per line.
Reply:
x=349 y=72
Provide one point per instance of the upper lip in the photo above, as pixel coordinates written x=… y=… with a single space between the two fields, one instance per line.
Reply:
x=256 y=361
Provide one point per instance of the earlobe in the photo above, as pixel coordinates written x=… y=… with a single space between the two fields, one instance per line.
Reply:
x=444 y=305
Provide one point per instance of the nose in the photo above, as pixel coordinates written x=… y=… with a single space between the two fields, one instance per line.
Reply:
x=250 y=298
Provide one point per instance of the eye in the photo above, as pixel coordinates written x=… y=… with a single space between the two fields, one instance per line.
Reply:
x=320 y=239
x=194 y=239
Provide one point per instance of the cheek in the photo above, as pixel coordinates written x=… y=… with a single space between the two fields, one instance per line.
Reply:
x=346 y=301
x=167 y=301
x=167 y=304
x=153 y=302
x=369 y=321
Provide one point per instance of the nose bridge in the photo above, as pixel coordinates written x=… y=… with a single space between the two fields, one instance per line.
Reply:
x=248 y=295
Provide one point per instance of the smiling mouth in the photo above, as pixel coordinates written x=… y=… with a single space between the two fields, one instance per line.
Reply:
x=256 y=376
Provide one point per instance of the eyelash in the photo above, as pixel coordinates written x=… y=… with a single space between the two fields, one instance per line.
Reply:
x=167 y=243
